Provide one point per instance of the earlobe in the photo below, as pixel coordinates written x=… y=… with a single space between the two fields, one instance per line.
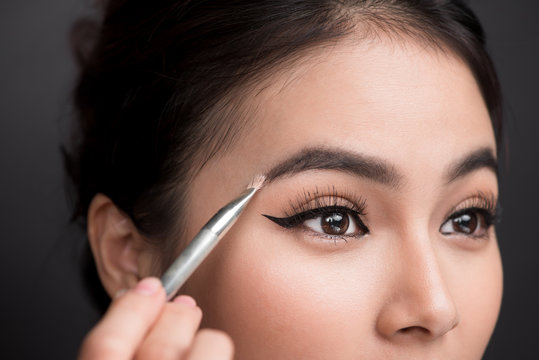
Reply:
x=116 y=245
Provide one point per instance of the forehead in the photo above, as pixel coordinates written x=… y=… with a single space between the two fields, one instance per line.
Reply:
x=415 y=106
x=366 y=93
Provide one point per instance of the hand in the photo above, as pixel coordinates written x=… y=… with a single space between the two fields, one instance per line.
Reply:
x=140 y=324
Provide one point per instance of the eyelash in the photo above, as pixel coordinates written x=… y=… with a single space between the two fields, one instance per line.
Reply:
x=313 y=205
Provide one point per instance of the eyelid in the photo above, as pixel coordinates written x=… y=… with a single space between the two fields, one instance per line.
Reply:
x=308 y=201
x=480 y=201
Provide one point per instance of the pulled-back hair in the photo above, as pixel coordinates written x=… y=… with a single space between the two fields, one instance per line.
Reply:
x=162 y=83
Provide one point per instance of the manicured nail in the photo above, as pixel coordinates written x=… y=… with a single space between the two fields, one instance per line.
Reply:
x=148 y=286
x=185 y=299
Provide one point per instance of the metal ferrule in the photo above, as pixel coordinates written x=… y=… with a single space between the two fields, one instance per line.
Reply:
x=228 y=215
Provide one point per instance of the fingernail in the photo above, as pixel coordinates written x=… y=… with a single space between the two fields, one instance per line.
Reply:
x=148 y=286
x=119 y=293
x=185 y=299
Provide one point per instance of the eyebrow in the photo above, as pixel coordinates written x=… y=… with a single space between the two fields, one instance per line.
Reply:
x=478 y=159
x=370 y=167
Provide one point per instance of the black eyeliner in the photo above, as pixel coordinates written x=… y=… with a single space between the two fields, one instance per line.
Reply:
x=489 y=216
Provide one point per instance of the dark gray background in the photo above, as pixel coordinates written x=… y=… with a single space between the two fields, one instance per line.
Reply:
x=44 y=309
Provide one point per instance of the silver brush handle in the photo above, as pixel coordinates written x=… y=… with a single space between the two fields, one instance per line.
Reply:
x=203 y=243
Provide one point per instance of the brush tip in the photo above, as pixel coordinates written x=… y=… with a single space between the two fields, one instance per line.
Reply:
x=257 y=182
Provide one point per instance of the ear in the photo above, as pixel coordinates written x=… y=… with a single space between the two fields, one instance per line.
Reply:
x=116 y=244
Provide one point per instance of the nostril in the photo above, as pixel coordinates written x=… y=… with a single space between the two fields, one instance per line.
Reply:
x=414 y=330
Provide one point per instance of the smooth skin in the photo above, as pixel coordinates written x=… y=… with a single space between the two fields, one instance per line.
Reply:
x=405 y=290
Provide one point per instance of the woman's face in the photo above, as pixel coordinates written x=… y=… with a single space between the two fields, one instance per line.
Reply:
x=372 y=238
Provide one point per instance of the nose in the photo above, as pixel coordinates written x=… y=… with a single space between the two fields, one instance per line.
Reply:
x=419 y=304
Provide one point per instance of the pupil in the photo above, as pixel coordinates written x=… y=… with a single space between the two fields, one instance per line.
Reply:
x=465 y=223
x=335 y=224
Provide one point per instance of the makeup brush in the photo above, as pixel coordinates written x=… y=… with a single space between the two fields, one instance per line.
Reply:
x=204 y=242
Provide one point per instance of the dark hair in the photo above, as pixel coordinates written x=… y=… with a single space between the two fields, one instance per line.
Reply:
x=161 y=84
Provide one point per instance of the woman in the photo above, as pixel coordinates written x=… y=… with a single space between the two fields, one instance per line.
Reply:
x=376 y=124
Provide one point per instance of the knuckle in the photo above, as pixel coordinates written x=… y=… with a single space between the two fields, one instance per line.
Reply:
x=101 y=346
x=160 y=351
x=133 y=303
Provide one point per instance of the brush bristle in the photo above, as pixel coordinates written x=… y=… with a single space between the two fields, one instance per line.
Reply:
x=257 y=182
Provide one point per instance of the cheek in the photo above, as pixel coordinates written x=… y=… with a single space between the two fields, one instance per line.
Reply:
x=279 y=300
x=477 y=290
x=265 y=291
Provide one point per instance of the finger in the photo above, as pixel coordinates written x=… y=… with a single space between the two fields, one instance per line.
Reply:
x=126 y=322
x=211 y=344
x=172 y=334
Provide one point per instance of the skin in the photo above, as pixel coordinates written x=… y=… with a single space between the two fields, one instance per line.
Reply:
x=405 y=290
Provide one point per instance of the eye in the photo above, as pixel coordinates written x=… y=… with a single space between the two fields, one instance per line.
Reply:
x=469 y=222
x=333 y=223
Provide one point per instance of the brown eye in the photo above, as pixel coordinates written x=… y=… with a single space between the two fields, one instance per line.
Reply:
x=335 y=223
x=466 y=223
x=469 y=222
